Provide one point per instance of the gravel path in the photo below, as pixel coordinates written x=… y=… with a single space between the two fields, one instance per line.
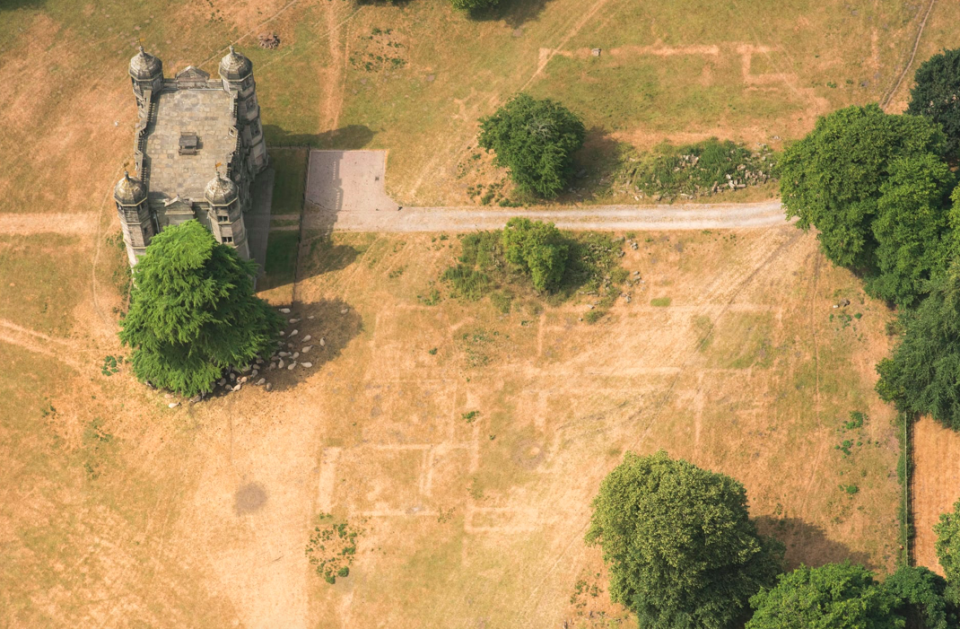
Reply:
x=345 y=192
x=601 y=218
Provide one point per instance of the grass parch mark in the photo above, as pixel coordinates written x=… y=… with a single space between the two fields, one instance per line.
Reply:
x=332 y=547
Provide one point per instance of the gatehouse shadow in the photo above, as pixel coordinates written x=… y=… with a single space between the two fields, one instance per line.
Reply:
x=355 y=136
x=808 y=543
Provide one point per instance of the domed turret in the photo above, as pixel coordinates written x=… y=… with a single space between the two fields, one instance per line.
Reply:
x=234 y=66
x=145 y=67
x=221 y=191
x=129 y=191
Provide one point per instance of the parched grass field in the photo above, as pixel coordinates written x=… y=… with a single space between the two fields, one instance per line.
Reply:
x=462 y=444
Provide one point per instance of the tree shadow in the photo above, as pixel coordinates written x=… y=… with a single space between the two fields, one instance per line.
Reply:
x=355 y=136
x=515 y=13
x=593 y=166
x=334 y=324
x=808 y=544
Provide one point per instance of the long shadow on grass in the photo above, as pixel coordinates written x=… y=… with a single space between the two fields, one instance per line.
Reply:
x=808 y=544
x=515 y=13
x=355 y=136
x=593 y=165
x=334 y=322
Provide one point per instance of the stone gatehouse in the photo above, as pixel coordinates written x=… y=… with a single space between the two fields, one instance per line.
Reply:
x=199 y=145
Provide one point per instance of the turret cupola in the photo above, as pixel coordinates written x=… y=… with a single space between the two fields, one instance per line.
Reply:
x=220 y=191
x=145 y=67
x=129 y=191
x=235 y=67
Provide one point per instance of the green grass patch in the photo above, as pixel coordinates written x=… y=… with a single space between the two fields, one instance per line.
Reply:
x=660 y=302
x=281 y=266
x=289 y=181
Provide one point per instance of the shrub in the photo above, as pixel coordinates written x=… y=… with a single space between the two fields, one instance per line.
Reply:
x=536 y=140
x=538 y=249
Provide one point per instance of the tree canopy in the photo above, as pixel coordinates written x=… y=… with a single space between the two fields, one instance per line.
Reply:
x=833 y=178
x=912 y=228
x=936 y=95
x=921 y=600
x=193 y=311
x=536 y=140
x=474 y=5
x=923 y=372
x=834 y=596
x=681 y=548
x=538 y=249
x=948 y=543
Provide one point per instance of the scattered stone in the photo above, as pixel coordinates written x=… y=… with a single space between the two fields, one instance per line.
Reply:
x=242 y=380
x=306 y=338
x=310 y=317
x=196 y=398
x=272 y=366
x=167 y=396
x=237 y=388
x=173 y=404
x=269 y=386
x=233 y=376
x=284 y=354
x=291 y=366
x=844 y=303
x=595 y=52
x=307 y=365
x=307 y=349
x=281 y=364
x=294 y=320
x=285 y=310
x=270 y=41
x=294 y=333
x=323 y=343
x=295 y=355
x=228 y=388
x=261 y=381
x=246 y=369
x=591 y=306
x=344 y=311
x=221 y=382
x=283 y=333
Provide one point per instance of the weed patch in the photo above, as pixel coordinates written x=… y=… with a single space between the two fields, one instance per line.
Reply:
x=694 y=171
x=332 y=547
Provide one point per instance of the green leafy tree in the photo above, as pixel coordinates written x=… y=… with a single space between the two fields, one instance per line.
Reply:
x=912 y=228
x=474 y=6
x=193 y=311
x=936 y=95
x=538 y=249
x=948 y=544
x=536 y=140
x=923 y=372
x=832 y=178
x=834 y=596
x=682 y=551
x=921 y=598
